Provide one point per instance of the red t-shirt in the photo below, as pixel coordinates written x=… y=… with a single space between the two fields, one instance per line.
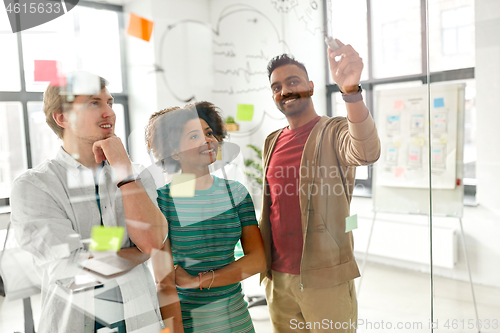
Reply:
x=283 y=175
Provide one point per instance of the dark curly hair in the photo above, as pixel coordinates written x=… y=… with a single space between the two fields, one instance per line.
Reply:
x=165 y=128
x=282 y=60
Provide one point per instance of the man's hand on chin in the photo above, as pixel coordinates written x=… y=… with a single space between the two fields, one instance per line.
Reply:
x=112 y=149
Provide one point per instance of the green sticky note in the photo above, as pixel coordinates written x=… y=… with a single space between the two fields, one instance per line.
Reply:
x=351 y=223
x=244 y=112
x=183 y=185
x=106 y=238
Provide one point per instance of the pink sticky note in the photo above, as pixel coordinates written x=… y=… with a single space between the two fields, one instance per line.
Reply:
x=413 y=158
x=48 y=71
x=399 y=172
x=399 y=104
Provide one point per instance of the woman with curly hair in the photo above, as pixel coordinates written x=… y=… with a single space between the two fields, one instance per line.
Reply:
x=204 y=229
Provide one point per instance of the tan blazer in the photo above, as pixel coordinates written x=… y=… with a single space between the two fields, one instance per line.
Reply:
x=327 y=174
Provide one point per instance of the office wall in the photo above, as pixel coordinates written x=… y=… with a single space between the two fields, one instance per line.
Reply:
x=218 y=51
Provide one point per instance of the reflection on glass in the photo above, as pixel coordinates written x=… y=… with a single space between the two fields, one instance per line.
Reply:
x=12 y=145
x=44 y=142
x=451 y=34
x=396 y=38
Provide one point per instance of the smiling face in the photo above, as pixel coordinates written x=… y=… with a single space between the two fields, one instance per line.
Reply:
x=292 y=90
x=90 y=119
x=197 y=145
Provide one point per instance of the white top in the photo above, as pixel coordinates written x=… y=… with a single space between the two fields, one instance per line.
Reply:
x=54 y=207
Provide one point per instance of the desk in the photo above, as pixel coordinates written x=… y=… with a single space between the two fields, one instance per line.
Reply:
x=138 y=291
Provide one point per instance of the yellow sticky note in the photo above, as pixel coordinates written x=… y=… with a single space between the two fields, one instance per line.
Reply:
x=443 y=140
x=419 y=141
x=183 y=185
x=140 y=27
x=106 y=238
x=397 y=143
x=219 y=154
x=244 y=112
x=351 y=223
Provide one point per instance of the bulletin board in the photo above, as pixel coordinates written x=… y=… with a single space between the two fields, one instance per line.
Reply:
x=401 y=176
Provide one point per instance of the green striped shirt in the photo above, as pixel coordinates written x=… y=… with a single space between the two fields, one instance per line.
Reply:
x=203 y=232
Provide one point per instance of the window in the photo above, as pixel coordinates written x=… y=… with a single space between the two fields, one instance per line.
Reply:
x=456 y=25
x=77 y=41
x=395 y=32
x=353 y=14
x=9 y=61
x=12 y=145
x=396 y=55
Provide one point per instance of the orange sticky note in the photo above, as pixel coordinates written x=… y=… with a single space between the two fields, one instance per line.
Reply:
x=48 y=71
x=166 y=330
x=140 y=27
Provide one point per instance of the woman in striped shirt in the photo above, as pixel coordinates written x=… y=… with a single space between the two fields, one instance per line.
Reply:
x=204 y=228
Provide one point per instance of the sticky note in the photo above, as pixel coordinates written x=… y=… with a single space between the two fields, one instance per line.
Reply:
x=351 y=223
x=48 y=71
x=399 y=104
x=397 y=143
x=140 y=27
x=244 y=112
x=106 y=238
x=419 y=141
x=183 y=185
x=413 y=157
x=443 y=140
x=219 y=153
x=437 y=155
x=166 y=330
x=439 y=102
x=399 y=172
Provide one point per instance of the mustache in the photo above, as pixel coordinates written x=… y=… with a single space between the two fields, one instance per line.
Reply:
x=291 y=95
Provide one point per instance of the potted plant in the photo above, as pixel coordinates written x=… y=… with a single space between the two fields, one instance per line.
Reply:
x=254 y=170
x=231 y=125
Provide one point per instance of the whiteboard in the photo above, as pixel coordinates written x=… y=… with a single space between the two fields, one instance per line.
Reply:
x=401 y=176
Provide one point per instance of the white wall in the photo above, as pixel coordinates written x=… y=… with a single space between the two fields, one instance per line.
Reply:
x=218 y=51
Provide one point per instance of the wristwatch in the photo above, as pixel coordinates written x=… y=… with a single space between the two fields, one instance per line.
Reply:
x=353 y=98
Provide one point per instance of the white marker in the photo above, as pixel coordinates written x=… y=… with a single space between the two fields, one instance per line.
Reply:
x=330 y=41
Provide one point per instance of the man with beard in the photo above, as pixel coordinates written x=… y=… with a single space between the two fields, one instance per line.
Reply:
x=309 y=176
x=91 y=182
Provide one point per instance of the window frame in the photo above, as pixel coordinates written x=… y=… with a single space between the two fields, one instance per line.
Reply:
x=24 y=96
x=371 y=82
